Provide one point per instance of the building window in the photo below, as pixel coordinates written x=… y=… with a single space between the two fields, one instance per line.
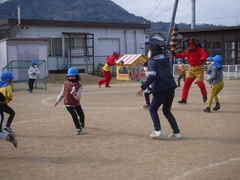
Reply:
x=229 y=52
x=56 y=46
x=67 y=47
x=216 y=45
x=208 y=45
x=78 y=47
x=238 y=52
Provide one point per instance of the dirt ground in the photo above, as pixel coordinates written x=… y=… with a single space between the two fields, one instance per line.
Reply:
x=115 y=143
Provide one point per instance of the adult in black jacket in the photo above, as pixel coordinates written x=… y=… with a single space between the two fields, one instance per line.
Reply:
x=163 y=89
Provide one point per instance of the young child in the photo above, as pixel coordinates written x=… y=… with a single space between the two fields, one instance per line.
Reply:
x=71 y=93
x=8 y=137
x=32 y=72
x=210 y=63
x=181 y=70
x=216 y=77
x=147 y=91
x=6 y=90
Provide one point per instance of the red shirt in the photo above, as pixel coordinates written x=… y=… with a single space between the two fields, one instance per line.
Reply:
x=194 y=56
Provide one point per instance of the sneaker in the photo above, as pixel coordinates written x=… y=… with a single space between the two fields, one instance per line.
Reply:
x=146 y=106
x=176 y=136
x=8 y=129
x=217 y=107
x=207 y=110
x=205 y=99
x=156 y=134
x=13 y=139
x=79 y=132
x=183 y=101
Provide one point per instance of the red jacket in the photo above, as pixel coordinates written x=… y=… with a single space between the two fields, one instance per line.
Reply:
x=195 y=58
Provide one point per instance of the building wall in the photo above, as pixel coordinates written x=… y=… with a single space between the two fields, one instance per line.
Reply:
x=3 y=54
x=106 y=40
x=225 y=42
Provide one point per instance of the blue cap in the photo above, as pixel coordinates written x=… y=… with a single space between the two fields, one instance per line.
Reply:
x=72 y=71
x=180 y=60
x=34 y=62
x=6 y=76
x=210 y=58
x=217 y=61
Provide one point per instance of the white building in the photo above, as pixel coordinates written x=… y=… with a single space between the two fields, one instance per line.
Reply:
x=64 y=44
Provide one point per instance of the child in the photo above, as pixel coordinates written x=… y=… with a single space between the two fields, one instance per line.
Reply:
x=8 y=137
x=216 y=77
x=32 y=72
x=71 y=93
x=147 y=91
x=210 y=63
x=6 y=90
x=181 y=70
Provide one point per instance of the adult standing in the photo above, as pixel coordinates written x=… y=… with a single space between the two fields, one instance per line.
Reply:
x=163 y=90
x=196 y=57
x=110 y=61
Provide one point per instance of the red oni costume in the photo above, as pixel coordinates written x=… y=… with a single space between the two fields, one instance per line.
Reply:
x=110 y=61
x=196 y=57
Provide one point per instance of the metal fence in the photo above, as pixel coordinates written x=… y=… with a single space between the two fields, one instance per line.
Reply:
x=19 y=69
x=229 y=71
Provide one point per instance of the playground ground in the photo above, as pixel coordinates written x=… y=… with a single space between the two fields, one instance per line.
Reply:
x=115 y=143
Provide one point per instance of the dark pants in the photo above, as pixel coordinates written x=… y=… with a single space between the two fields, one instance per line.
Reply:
x=147 y=93
x=1 y=120
x=166 y=100
x=75 y=112
x=7 y=109
x=30 y=84
x=181 y=76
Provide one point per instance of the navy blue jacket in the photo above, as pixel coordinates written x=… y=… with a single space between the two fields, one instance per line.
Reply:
x=159 y=75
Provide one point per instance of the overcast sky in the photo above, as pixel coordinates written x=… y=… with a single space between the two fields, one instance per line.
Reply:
x=217 y=12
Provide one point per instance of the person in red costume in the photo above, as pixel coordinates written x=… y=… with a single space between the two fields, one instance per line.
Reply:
x=196 y=57
x=110 y=61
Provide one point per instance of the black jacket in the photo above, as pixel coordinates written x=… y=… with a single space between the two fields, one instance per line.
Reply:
x=159 y=75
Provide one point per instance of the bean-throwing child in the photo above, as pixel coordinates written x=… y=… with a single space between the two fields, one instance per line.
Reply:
x=32 y=72
x=71 y=93
x=216 y=77
x=8 y=137
x=181 y=70
x=6 y=90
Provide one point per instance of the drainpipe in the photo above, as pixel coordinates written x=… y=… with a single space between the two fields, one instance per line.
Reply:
x=125 y=40
x=19 y=14
x=135 y=41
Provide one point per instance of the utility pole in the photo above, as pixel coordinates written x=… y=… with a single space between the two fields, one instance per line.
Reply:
x=193 y=14
x=172 y=22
